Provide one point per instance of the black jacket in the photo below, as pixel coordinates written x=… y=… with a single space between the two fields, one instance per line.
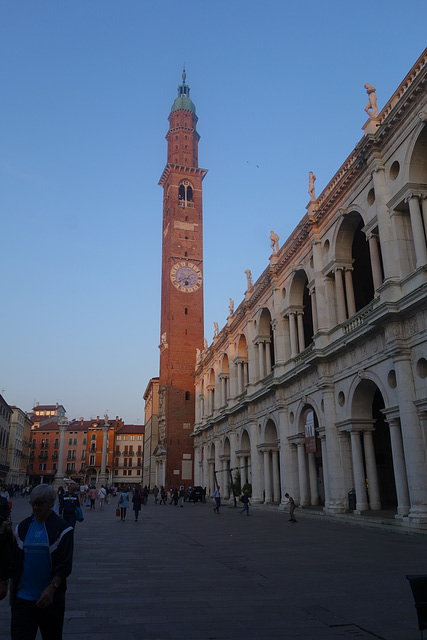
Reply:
x=61 y=542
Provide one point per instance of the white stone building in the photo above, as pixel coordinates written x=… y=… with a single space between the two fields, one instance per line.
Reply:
x=317 y=384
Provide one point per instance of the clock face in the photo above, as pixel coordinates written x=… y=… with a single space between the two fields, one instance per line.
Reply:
x=186 y=276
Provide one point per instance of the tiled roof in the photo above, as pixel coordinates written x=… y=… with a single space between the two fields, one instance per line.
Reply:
x=131 y=429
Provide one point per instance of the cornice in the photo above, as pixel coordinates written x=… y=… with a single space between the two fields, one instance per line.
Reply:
x=180 y=168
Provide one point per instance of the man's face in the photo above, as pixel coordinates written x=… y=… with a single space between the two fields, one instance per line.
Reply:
x=41 y=510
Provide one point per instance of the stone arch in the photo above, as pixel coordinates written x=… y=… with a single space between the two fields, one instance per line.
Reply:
x=226 y=447
x=352 y=253
x=307 y=420
x=356 y=402
x=372 y=432
x=224 y=366
x=245 y=440
x=241 y=362
x=300 y=302
x=265 y=341
x=270 y=433
x=244 y=457
x=418 y=158
x=210 y=386
x=242 y=347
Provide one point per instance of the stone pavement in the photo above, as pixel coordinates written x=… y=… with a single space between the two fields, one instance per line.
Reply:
x=188 y=574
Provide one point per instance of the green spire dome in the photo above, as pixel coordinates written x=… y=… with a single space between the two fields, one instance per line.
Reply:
x=183 y=100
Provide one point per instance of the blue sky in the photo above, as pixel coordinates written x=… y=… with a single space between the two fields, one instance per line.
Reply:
x=86 y=90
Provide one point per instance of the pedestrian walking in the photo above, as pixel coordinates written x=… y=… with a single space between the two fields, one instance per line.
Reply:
x=137 y=498
x=68 y=505
x=156 y=494
x=123 y=504
x=181 y=495
x=175 y=497
x=291 y=507
x=246 y=502
x=92 y=497
x=42 y=561
x=102 y=494
x=163 y=495
x=217 y=497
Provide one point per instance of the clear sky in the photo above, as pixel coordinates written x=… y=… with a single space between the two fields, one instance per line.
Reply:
x=86 y=89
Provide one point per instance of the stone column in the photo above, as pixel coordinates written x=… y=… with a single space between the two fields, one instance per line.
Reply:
x=223 y=384
x=337 y=498
x=302 y=474
x=293 y=333
x=197 y=406
x=371 y=472
x=245 y=375
x=279 y=340
x=59 y=476
x=424 y=211
x=375 y=261
x=267 y=478
x=239 y=378
x=349 y=291
x=320 y=300
x=413 y=444
x=225 y=478
x=312 y=472
x=255 y=463
x=276 y=476
x=267 y=358
x=103 y=476
x=417 y=231
x=197 y=467
x=261 y=360
x=301 y=341
x=358 y=472
x=314 y=310
x=342 y=316
x=325 y=467
x=385 y=224
x=211 y=477
x=286 y=338
x=399 y=467
x=285 y=465
x=241 y=463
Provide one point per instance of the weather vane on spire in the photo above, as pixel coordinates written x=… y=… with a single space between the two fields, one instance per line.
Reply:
x=184 y=75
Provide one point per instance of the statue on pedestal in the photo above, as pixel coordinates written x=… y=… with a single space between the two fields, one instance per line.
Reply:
x=249 y=278
x=231 y=307
x=274 y=238
x=311 y=181
x=372 y=104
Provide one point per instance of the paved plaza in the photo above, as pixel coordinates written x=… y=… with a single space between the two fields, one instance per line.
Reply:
x=188 y=574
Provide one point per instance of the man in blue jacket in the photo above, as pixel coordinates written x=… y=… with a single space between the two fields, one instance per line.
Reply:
x=42 y=560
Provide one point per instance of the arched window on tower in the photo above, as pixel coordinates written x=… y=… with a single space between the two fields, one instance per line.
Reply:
x=185 y=194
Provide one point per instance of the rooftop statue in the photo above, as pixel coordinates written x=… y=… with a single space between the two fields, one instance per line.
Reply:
x=372 y=104
x=249 y=278
x=274 y=238
x=231 y=306
x=311 y=181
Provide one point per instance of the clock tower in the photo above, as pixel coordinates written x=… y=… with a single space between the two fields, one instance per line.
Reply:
x=182 y=292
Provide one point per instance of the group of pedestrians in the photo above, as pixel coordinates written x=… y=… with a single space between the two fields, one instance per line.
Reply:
x=138 y=497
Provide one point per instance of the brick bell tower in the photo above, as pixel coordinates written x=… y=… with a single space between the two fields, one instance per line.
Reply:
x=182 y=292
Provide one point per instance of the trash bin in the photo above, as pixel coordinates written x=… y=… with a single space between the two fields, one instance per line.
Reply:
x=352 y=500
